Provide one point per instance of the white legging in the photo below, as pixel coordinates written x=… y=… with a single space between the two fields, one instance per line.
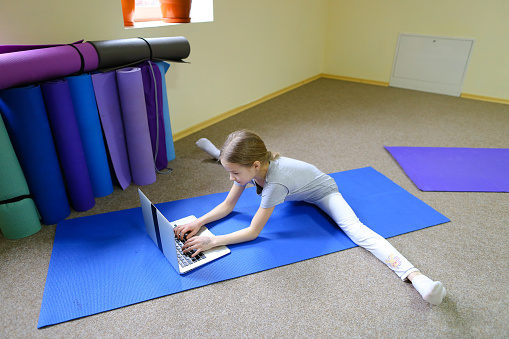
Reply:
x=338 y=209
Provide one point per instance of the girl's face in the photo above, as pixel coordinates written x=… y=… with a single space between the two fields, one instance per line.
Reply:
x=241 y=174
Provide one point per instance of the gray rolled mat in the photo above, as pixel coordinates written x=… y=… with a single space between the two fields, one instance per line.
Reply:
x=18 y=215
x=123 y=52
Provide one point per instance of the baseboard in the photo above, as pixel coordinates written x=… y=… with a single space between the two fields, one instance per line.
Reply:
x=362 y=81
x=483 y=98
x=386 y=84
x=193 y=129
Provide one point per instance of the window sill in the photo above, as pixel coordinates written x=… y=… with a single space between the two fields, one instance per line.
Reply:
x=160 y=23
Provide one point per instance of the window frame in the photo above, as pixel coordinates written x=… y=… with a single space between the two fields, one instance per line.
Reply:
x=150 y=16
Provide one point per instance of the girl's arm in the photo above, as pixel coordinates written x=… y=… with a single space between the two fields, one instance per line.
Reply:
x=219 y=212
x=247 y=234
x=201 y=244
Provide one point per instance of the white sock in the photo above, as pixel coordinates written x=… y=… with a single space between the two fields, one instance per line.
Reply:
x=208 y=147
x=431 y=291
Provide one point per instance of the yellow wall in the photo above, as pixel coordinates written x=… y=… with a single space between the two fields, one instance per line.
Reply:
x=255 y=48
x=252 y=49
x=362 y=36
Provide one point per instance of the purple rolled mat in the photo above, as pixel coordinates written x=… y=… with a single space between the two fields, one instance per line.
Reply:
x=108 y=104
x=134 y=114
x=59 y=107
x=17 y=48
x=152 y=86
x=35 y=65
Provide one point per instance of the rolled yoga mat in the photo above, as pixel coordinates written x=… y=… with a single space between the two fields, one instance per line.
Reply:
x=152 y=87
x=170 y=148
x=107 y=261
x=123 y=52
x=134 y=115
x=26 y=121
x=40 y=64
x=87 y=117
x=18 y=214
x=18 y=48
x=108 y=104
x=62 y=118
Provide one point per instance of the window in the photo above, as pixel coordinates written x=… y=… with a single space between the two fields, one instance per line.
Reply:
x=147 y=10
x=148 y=13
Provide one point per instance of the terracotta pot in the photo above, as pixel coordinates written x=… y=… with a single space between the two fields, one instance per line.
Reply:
x=176 y=11
x=128 y=12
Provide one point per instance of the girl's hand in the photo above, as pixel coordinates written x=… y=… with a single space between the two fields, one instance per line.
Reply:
x=186 y=231
x=199 y=244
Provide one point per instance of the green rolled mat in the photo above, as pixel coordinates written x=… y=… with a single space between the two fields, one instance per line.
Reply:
x=18 y=215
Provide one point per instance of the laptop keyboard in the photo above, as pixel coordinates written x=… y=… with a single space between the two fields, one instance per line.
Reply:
x=185 y=258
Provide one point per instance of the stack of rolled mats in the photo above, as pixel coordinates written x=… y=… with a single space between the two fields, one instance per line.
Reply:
x=78 y=118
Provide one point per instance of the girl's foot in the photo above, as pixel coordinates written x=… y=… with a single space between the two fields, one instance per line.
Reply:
x=431 y=291
x=208 y=147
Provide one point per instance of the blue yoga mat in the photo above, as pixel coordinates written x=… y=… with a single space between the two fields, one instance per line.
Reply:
x=87 y=117
x=170 y=147
x=107 y=261
x=455 y=169
x=26 y=121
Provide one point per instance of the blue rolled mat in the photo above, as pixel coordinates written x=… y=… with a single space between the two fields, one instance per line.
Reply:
x=87 y=117
x=107 y=261
x=26 y=121
x=64 y=127
x=18 y=214
x=170 y=148
x=108 y=104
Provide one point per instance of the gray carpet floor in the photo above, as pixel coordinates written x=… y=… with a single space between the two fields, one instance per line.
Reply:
x=337 y=126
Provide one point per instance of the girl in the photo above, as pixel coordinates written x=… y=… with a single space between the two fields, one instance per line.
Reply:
x=278 y=179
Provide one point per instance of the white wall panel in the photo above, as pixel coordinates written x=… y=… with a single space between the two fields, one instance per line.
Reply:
x=431 y=63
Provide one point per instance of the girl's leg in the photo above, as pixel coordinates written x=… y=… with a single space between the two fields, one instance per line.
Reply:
x=208 y=147
x=339 y=210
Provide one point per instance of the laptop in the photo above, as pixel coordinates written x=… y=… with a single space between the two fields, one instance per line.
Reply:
x=160 y=230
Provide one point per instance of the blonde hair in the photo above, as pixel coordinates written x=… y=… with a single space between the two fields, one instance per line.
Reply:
x=244 y=148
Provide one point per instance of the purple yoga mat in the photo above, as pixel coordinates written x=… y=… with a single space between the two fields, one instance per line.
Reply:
x=108 y=104
x=35 y=65
x=17 y=48
x=134 y=114
x=62 y=119
x=152 y=85
x=455 y=169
